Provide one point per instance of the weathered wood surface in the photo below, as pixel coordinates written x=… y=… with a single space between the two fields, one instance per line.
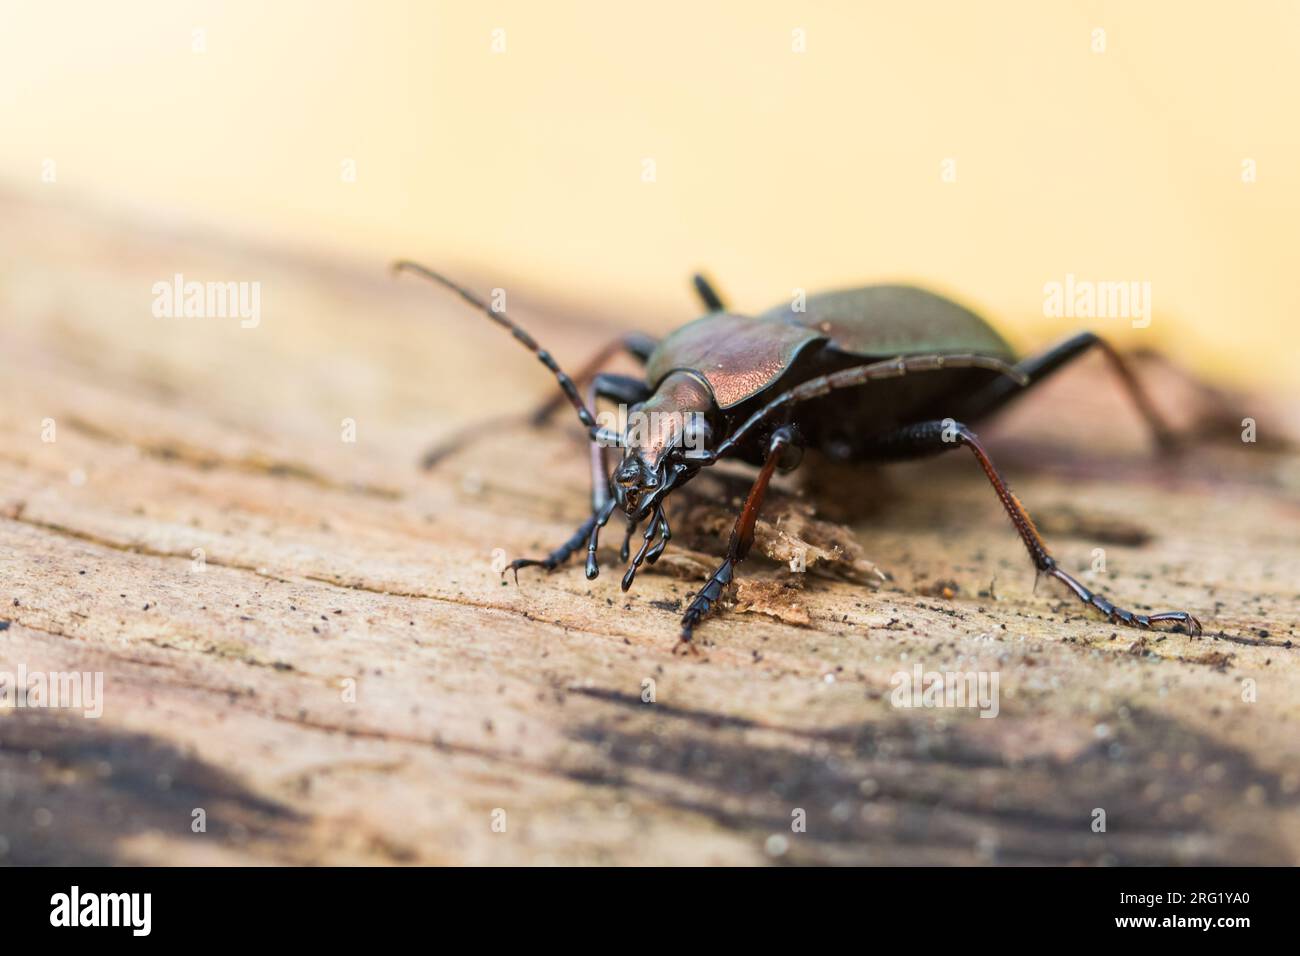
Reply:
x=328 y=561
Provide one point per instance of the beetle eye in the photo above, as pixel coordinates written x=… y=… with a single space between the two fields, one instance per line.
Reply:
x=627 y=472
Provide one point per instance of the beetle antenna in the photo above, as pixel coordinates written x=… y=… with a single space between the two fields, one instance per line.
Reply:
x=500 y=318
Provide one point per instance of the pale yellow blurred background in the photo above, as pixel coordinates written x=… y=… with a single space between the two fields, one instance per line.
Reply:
x=773 y=168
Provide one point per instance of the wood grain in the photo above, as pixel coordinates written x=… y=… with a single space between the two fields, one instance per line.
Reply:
x=329 y=564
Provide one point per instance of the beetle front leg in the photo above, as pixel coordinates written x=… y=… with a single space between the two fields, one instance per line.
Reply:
x=601 y=518
x=559 y=555
x=942 y=435
x=619 y=388
x=742 y=536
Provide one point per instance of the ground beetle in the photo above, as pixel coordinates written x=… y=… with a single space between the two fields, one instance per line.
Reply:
x=876 y=374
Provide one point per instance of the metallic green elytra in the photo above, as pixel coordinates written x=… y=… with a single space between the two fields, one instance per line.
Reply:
x=741 y=356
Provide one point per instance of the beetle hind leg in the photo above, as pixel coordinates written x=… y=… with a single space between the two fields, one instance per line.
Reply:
x=1002 y=392
x=706 y=599
x=708 y=293
x=942 y=435
x=1118 y=615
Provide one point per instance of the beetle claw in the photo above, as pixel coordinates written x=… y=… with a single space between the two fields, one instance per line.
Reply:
x=684 y=645
x=657 y=524
x=518 y=563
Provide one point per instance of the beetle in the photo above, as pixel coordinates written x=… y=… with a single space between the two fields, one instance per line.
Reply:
x=875 y=374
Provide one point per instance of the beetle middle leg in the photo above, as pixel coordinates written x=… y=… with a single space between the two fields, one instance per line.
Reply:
x=930 y=437
x=742 y=535
x=635 y=344
x=998 y=393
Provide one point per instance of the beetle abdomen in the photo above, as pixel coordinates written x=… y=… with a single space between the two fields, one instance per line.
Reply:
x=881 y=321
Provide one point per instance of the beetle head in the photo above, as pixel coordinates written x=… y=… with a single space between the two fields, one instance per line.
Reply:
x=662 y=432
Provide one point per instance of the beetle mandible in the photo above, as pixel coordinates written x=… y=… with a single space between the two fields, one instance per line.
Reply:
x=876 y=374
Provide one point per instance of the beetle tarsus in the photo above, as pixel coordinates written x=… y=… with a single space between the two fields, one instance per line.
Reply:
x=626 y=549
x=665 y=536
x=658 y=526
x=1119 y=615
x=704 y=601
x=599 y=520
x=556 y=557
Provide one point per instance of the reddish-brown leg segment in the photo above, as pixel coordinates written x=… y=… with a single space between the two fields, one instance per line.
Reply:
x=939 y=435
x=742 y=537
